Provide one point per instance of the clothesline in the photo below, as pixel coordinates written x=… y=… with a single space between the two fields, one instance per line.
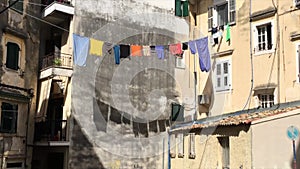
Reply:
x=84 y=46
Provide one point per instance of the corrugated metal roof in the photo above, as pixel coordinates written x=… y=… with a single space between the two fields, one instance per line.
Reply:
x=237 y=118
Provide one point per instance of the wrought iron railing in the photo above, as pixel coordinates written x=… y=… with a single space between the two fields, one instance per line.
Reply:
x=51 y=130
x=56 y=59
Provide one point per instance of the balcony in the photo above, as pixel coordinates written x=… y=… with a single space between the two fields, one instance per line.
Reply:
x=59 y=64
x=51 y=133
x=57 y=11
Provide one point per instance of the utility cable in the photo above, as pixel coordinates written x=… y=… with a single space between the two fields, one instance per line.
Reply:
x=43 y=21
x=9 y=6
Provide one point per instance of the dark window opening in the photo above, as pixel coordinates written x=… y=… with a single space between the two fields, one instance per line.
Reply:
x=9 y=113
x=12 y=56
x=14 y=165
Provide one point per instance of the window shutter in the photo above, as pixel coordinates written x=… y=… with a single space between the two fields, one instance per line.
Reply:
x=12 y=56
x=219 y=76
x=210 y=18
x=232 y=12
x=180 y=144
x=14 y=119
x=172 y=145
x=192 y=153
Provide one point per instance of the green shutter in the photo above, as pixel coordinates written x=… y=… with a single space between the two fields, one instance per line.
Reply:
x=12 y=56
x=178 y=11
x=185 y=6
x=177 y=112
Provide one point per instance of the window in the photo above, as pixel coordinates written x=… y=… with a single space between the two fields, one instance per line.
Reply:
x=12 y=55
x=222 y=13
x=298 y=62
x=9 y=113
x=17 y=6
x=192 y=153
x=264 y=37
x=180 y=143
x=222 y=74
x=224 y=142
x=14 y=165
x=266 y=100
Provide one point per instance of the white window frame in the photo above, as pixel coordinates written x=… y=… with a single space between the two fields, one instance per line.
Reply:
x=231 y=10
x=255 y=37
x=298 y=62
x=222 y=76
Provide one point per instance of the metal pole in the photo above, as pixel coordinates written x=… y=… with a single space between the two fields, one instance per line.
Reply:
x=169 y=157
x=294 y=151
x=163 y=156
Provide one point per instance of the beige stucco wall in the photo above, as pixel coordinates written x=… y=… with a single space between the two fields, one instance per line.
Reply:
x=277 y=67
x=272 y=143
x=209 y=150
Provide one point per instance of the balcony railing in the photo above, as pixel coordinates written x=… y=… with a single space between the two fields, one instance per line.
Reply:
x=56 y=60
x=51 y=130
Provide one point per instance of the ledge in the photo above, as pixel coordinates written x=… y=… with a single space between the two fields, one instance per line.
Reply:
x=263 y=14
x=17 y=33
x=223 y=53
x=294 y=36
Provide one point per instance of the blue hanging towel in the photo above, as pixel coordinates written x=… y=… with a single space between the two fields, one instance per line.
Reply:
x=160 y=52
x=81 y=47
x=192 y=45
x=117 y=54
x=203 y=53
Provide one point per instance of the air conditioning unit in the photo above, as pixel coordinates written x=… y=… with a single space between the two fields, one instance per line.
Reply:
x=203 y=99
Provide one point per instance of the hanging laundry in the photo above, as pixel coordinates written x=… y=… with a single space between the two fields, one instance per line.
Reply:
x=117 y=54
x=81 y=48
x=107 y=48
x=175 y=49
x=192 y=45
x=203 y=53
x=160 y=52
x=124 y=51
x=96 y=47
x=136 y=50
x=228 y=32
x=185 y=46
x=215 y=35
x=146 y=51
x=152 y=50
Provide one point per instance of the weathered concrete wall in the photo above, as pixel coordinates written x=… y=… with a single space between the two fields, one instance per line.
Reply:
x=123 y=110
x=25 y=29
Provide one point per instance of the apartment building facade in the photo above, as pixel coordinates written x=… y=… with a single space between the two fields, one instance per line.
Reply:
x=253 y=82
x=91 y=129
x=19 y=36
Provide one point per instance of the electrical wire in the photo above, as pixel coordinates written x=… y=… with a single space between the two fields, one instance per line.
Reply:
x=42 y=20
x=9 y=6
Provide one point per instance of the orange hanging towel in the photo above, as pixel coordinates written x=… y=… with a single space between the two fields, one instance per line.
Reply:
x=136 y=50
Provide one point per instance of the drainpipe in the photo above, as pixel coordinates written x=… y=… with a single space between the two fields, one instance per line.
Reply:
x=278 y=51
x=30 y=93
